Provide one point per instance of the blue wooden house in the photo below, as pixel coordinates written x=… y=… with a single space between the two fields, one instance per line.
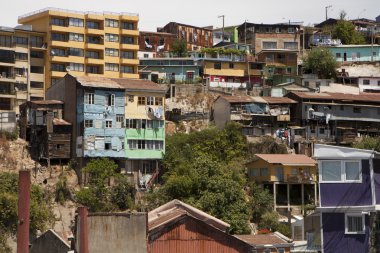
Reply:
x=349 y=191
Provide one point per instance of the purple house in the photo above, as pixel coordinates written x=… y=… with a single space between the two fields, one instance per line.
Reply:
x=349 y=192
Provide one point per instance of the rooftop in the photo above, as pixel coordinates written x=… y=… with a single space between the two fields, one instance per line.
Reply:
x=362 y=70
x=75 y=12
x=279 y=100
x=273 y=239
x=362 y=97
x=263 y=100
x=288 y=159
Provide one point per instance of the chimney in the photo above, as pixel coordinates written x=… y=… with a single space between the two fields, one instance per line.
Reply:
x=23 y=211
x=83 y=230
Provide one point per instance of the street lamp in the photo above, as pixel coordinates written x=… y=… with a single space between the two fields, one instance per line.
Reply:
x=326 y=8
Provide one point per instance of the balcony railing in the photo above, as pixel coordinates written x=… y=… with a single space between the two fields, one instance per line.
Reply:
x=302 y=177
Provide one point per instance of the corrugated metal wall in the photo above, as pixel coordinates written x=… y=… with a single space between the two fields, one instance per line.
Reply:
x=190 y=235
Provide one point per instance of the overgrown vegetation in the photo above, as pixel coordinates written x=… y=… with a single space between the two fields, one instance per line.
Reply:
x=62 y=191
x=206 y=169
x=222 y=51
x=99 y=195
x=179 y=48
x=41 y=215
x=370 y=143
x=320 y=61
x=11 y=136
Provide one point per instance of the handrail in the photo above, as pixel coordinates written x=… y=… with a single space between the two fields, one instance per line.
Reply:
x=77 y=12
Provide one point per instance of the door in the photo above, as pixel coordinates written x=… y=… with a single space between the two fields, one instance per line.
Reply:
x=345 y=57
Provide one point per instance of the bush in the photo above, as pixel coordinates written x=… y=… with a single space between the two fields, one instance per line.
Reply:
x=62 y=191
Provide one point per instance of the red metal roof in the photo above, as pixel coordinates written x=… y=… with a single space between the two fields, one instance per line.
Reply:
x=263 y=239
x=139 y=84
x=279 y=100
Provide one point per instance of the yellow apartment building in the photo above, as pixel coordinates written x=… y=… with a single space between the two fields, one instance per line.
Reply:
x=87 y=43
x=292 y=179
x=21 y=70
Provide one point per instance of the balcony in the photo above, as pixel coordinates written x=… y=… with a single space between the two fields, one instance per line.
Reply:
x=129 y=61
x=130 y=32
x=129 y=47
x=94 y=31
x=95 y=46
x=301 y=177
x=94 y=61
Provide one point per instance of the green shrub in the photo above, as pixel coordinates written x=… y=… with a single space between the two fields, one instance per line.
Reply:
x=62 y=191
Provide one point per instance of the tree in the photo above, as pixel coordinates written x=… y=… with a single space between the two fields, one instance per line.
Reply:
x=98 y=196
x=320 y=61
x=370 y=143
x=266 y=145
x=261 y=201
x=179 y=48
x=205 y=169
x=41 y=215
x=346 y=32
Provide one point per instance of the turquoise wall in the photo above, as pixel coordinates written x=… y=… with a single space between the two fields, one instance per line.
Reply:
x=364 y=51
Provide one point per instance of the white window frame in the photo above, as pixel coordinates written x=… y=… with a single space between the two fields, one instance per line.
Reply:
x=89 y=98
x=108 y=124
x=88 y=123
x=362 y=216
x=342 y=172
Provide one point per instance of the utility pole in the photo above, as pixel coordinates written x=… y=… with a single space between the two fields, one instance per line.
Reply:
x=326 y=9
x=222 y=16
x=372 y=33
x=245 y=43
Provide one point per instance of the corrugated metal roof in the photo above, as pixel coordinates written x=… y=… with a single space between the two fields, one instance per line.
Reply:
x=263 y=239
x=279 y=100
x=362 y=97
x=101 y=82
x=138 y=84
x=287 y=159
x=176 y=208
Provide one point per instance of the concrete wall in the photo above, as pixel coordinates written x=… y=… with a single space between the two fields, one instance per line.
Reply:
x=222 y=113
x=117 y=233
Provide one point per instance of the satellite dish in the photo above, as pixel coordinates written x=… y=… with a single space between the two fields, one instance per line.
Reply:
x=68 y=69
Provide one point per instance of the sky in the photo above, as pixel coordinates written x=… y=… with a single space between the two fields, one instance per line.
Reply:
x=157 y=13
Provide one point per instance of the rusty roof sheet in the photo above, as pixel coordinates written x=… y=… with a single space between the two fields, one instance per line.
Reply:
x=97 y=81
x=287 y=159
x=279 y=100
x=47 y=102
x=176 y=208
x=138 y=84
x=60 y=122
x=244 y=99
x=263 y=239
x=362 y=97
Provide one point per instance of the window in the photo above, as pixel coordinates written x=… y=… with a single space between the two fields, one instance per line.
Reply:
x=92 y=25
x=158 y=101
x=107 y=146
x=20 y=71
x=217 y=65
x=76 y=52
x=378 y=83
x=374 y=54
x=291 y=30
x=58 y=37
x=317 y=84
x=357 y=110
x=119 y=121
x=20 y=40
x=281 y=250
x=306 y=83
x=158 y=145
x=36 y=41
x=21 y=56
x=57 y=52
x=5 y=41
x=338 y=55
x=36 y=54
x=112 y=67
x=132 y=144
x=354 y=224
x=128 y=26
x=59 y=146
x=365 y=82
x=110 y=100
x=93 y=69
x=127 y=40
x=269 y=57
x=252 y=172
x=108 y=123
x=57 y=21
x=127 y=69
x=231 y=65
x=36 y=85
x=263 y=172
x=88 y=123
x=94 y=40
x=76 y=37
x=112 y=37
x=321 y=130
x=341 y=107
x=131 y=98
x=112 y=22
x=89 y=98
x=58 y=67
x=76 y=22
x=112 y=52
x=140 y=144
x=150 y=101
x=92 y=54
x=269 y=45
x=340 y=171
x=291 y=45
x=127 y=54
x=77 y=67
x=141 y=100
x=37 y=69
